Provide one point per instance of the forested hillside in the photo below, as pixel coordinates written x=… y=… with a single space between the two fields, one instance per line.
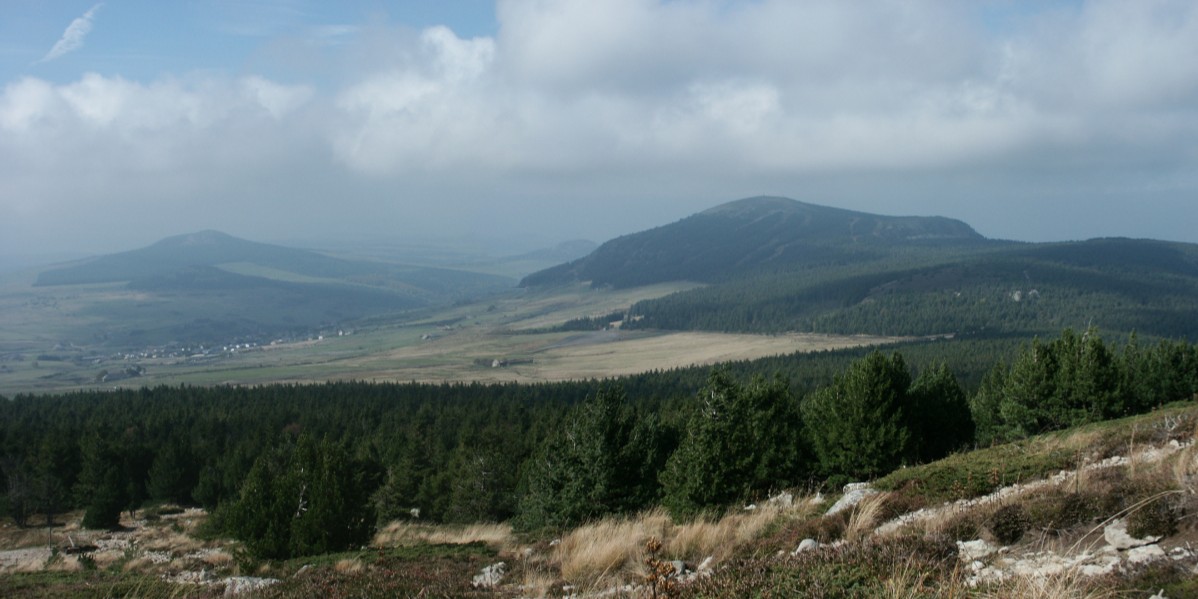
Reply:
x=777 y=265
x=764 y=232
x=549 y=455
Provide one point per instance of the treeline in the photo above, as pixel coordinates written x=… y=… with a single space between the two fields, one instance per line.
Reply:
x=295 y=469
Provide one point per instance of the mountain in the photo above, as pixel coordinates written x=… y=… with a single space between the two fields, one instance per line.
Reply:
x=211 y=287
x=749 y=234
x=774 y=265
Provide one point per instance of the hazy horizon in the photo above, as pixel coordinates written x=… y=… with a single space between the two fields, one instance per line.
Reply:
x=127 y=121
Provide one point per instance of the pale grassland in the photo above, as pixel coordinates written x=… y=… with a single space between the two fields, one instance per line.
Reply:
x=423 y=348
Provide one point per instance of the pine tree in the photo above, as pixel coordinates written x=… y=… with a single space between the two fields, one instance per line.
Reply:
x=858 y=425
x=940 y=420
x=601 y=461
x=303 y=498
x=740 y=441
x=102 y=488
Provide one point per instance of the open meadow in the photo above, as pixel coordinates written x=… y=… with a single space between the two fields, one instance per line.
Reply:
x=49 y=342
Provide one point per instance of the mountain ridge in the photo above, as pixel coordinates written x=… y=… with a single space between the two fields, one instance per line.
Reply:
x=749 y=233
x=775 y=265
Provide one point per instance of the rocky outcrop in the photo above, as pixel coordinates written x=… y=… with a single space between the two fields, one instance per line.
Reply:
x=853 y=494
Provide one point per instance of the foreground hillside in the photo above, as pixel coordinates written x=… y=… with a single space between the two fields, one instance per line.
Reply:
x=774 y=264
x=1104 y=510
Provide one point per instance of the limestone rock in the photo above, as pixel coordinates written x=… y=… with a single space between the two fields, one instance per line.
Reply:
x=490 y=576
x=782 y=500
x=853 y=494
x=806 y=545
x=240 y=585
x=1116 y=536
x=970 y=551
x=1144 y=554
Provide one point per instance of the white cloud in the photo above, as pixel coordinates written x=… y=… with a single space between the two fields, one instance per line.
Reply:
x=646 y=98
x=72 y=38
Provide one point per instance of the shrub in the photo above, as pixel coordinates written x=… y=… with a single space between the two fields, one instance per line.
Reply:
x=1158 y=518
x=1008 y=524
x=1056 y=511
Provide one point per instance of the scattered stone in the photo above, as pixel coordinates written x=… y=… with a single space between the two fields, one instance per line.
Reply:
x=1103 y=565
x=303 y=570
x=200 y=577
x=1116 y=536
x=806 y=545
x=971 y=551
x=1159 y=595
x=783 y=499
x=680 y=568
x=239 y=585
x=1145 y=554
x=158 y=557
x=853 y=494
x=705 y=565
x=490 y=576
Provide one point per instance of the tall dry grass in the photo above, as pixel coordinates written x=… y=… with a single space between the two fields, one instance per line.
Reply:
x=612 y=550
x=865 y=516
x=401 y=533
x=609 y=551
x=1069 y=584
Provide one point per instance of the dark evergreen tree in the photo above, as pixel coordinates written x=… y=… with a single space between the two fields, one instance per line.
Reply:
x=985 y=406
x=859 y=425
x=103 y=485
x=173 y=474
x=1030 y=382
x=939 y=420
x=740 y=440
x=303 y=498
x=602 y=461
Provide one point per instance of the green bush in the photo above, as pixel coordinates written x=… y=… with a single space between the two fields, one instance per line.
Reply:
x=1158 y=518
x=1008 y=524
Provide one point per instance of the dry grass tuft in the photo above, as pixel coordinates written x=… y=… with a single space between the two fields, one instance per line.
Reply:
x=349 y=566
x=401 y=533
x=906 y=582
x=1070 y=584
x=164 y=539
x=721 y=538
x=865 y=516
x=138 y=564
x=66 y=564
x=217 y=559
x=601 y=553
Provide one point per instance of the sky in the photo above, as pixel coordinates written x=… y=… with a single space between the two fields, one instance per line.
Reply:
x=538 y=121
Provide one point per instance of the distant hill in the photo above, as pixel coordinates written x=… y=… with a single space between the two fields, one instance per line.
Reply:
x=748 y=234
x=562 y=252
x=774 y=264
x=210 y=286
